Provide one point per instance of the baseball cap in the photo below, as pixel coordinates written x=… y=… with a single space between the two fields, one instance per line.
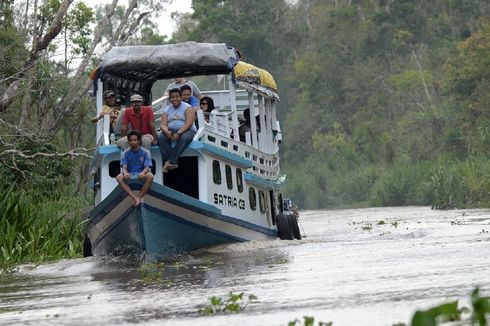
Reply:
x=136 y=98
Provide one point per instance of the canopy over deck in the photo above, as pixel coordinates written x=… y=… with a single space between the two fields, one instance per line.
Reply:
x=138 y=67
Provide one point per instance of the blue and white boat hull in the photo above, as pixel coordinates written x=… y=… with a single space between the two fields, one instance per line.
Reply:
x=167 y=223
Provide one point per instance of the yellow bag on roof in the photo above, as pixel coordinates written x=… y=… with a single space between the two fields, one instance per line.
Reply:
x=248 y=73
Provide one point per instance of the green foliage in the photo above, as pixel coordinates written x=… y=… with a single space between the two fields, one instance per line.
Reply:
x=481 y=307
x=450 y=312
x=37 y=176
x=436 y=315
x=232 y=304
x=402 y=185
x=152 y=272
x=456 y=184
x=12 y=44
x=308 y=321
x=37 y=230
x=77 y=24
x=394 y=87
x=247 y=25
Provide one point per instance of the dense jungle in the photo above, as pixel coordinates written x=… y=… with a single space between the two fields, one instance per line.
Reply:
x=383 y=102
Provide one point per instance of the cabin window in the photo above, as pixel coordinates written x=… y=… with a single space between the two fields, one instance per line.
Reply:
x=262 y=201
x=229 y=177
x=216 y=172
x=252 y=198
x=239 y=180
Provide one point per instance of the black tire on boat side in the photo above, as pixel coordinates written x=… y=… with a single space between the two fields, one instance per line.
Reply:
x=283 y=229
x=293 y=225
x=87 y=246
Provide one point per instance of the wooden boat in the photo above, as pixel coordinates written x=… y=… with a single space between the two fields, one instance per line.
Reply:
x=225 y=189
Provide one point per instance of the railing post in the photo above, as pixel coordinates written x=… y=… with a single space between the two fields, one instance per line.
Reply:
x=234 y=116
x=99 y=103
x=263 y=133
x=253 y=125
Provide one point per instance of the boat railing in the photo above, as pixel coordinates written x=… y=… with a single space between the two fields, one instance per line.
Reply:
x=263 y=164
x=103 y=129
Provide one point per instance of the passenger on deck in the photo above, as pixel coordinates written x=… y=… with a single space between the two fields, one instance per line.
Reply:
x=135 y=161
x=188 y=98
x=181 y=81
x=108 y=109
x=207 y=105
x=177 y=125
x=246 y=125
x=141 y=118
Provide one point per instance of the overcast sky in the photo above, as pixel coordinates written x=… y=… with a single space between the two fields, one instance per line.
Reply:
x=166 y=24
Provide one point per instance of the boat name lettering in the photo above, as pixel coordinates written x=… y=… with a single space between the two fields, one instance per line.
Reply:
x=220 y=199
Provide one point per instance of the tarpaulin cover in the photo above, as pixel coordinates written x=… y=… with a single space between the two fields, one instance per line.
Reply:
x=138 y=67
x=147 y=63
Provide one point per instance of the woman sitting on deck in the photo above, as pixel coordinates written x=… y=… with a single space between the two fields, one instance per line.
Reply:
x=177 y=125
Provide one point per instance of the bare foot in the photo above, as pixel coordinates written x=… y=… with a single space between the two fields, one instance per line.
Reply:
x=172 y=166
x=137 y=201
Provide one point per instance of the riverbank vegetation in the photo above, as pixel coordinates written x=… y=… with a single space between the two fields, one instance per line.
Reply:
x=382 y=102
x=35 y=229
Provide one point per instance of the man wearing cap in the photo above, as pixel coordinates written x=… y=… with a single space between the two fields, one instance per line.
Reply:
x=140 y=118
x=108 y=109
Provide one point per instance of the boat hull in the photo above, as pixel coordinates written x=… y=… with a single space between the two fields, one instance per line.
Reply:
x=167 y=223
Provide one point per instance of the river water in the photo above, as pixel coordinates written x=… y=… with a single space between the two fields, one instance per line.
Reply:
x=371 y=266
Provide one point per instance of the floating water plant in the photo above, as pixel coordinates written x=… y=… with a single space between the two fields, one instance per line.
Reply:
x=450 y=312
x=232 y=304
x=152 y=272
x=308 y=321
x=433 y=316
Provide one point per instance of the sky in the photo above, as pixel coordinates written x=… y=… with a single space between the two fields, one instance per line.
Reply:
x=165 y=23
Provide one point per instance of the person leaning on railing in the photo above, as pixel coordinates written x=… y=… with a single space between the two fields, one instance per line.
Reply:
x=108 y=109
x=140 y=118
x=177 y=126
x=207 y=105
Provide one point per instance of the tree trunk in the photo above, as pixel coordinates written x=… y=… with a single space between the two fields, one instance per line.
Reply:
x=39 y=46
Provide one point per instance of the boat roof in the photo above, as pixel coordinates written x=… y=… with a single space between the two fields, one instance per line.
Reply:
x=154 y=62
x=139 y=66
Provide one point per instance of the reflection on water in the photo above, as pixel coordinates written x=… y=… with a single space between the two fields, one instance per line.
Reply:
x=354 y=267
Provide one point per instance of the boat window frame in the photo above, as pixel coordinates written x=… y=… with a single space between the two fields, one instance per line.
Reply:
x=216 y=167
x=239 y=179
x=262 y=201
x=252 y=198
x=229 y=177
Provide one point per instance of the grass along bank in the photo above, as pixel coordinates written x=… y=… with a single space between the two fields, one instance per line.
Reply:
x=36 y=229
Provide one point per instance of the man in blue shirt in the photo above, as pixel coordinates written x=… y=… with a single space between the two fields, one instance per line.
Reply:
x=188 y=98
x=135 y=161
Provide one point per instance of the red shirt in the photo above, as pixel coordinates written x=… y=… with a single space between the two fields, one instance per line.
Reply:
x=140 y=121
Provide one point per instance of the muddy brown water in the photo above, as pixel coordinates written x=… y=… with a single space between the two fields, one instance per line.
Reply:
x=371 y=266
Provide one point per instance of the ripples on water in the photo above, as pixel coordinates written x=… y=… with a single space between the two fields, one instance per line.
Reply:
x=354 y=267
